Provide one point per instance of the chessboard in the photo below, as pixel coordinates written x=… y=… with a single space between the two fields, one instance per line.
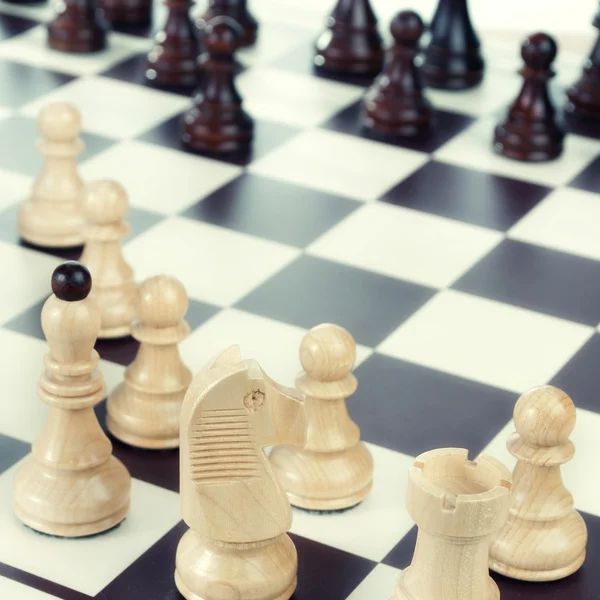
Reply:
x=464 y=277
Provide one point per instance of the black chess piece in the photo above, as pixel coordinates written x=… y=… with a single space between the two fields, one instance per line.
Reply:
x=236 y=10
x=78 y=27
x=351 y=44
x=583 y=98
x=128 y=13
x=453 y=58
x=217 y=123
x=395 y=104
x=173 y=61
x=531 y=131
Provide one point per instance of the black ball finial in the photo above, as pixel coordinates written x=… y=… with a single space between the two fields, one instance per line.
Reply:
x=71 y=281
x=222 y=36
x=539 y=51
x=407 y=26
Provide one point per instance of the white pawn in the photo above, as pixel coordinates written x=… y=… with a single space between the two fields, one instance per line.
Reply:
x=544 y=538
x=144 y=410
x=114 y=289
x=334 y=470
x=53 y=215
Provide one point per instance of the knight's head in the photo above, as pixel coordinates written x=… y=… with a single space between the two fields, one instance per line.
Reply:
x=233 y=402
x=231 y=411
x=276 y=410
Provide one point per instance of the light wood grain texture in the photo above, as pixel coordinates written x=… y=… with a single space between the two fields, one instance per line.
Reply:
x=53 y=215
x=458 y=506
x=114 y=289
x=335 y=469
x=71 y=485
x=544 y=538
x=144 y=409
x=237 y=546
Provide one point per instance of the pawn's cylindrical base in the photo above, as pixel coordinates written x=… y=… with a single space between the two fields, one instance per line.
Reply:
x=51 y=226
x=324 y=480
x=207 y=570
x=540 y=550
x=84 y=37
x=583 y=99
x=212 y=135
x=359 y=55
x=398 y=121
x=144 y=420
x=401 y=593
x=71 y=503
x=541 y=144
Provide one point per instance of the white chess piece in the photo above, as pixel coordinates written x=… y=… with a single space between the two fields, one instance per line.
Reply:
x=237 y=545
x=144 y=409
x=53 y=215
x=544 y=538
x=71 y=485
x=114 y=289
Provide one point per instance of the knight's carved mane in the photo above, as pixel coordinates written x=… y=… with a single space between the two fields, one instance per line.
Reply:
x=221 y=443
x=222 y=447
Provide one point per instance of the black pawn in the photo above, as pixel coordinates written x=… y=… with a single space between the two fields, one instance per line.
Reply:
x=173 y=59
x=453 y=58
x=78 y=27
x=236 y=10
x=531 y=132
x=351 y=44
x=71 y=281
x=583 y=98
x=395 y=104
x=217 y=123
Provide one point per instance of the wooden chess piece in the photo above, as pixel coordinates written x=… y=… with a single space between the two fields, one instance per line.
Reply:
x=237 y=545
x=395 y=104
x=236 y=10
x=53 y=215
x=531 y=131
x=452 y=58
x=128 y=12
x=114 y=289
x=583 y=98
x=144 y=409
x=351 y=44
x=217 y=123
x=78 y=27
x=71 y=485
x=458 y=506
x=174 y=56
x=334 y=470
x=544 y=538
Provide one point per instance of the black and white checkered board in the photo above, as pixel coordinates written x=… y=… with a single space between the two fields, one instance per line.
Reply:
x=464 y=277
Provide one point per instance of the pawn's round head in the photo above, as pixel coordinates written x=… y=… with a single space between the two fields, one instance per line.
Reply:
x=539 y=51
x=222 y=36
x=328 y=353
x=71 y=281
x=544 y=416
x=161 y=301
x=407 y=27
x=59 y=122
x=106 y=202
